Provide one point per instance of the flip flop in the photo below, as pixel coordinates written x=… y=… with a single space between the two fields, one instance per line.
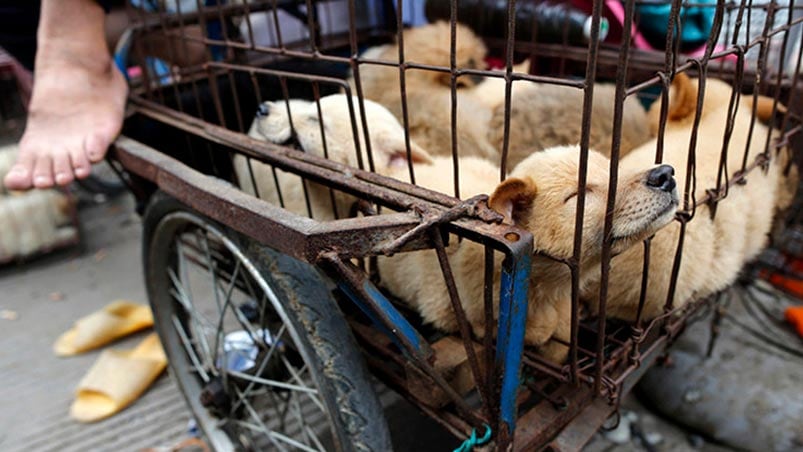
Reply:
x=116 y=320
x=117 y=379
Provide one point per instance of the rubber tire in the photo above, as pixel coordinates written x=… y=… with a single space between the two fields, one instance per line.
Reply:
x=346 y=389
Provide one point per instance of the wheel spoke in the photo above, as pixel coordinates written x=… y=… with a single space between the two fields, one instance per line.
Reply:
x=263 y=430
x=297 y=377
x=219 y=329
x=314 y=437
x=273 y=383
x=275 y=403
x=238 y=313
x=180 y=295
x=212 y=271
x=265 y=361
x=296 y=408
x=271 y=434
x=280 y=413
x=189 y=348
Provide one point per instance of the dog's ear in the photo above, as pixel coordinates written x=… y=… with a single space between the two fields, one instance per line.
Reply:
x=513 y=198
x=764 y=107
x=523 y=67
x=682 y=97
x=398 y=157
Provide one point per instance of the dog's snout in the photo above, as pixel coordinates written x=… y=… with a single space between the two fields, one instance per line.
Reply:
x=263 y=109
x=661 y=178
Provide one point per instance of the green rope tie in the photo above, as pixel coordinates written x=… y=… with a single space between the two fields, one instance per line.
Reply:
x=472 y=441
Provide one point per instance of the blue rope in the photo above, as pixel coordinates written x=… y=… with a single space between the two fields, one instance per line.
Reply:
x=472 y=441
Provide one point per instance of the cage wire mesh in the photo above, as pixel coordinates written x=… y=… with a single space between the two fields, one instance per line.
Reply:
x=351 y=109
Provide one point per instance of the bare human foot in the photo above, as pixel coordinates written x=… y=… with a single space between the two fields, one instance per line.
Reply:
x=78 y=99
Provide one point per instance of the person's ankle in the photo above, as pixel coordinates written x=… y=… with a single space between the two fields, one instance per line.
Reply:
x=72 y=32
x=61 y=56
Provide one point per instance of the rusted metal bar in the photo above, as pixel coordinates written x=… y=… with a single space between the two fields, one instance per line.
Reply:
x=464 y=328
x=291 y=234
x=613 y=179
x=570 y=427
x=510 y=33
x=453 y=94
x=403 y=88
x=585 y=136
x=355 y=284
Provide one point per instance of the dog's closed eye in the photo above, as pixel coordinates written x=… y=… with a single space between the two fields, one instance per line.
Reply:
x=574 y=194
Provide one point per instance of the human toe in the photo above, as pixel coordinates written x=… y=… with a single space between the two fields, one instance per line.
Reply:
x=43 y=172
x=18 y=178
x=80 y=163
x=62 y=169
x=95 y=147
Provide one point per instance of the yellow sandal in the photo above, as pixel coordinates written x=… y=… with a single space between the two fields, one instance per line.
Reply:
x=116 y=320
x=117 y=379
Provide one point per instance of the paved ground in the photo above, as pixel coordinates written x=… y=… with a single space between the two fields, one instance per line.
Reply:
x=49 y=294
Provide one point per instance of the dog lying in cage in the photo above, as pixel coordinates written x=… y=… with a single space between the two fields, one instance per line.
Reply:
x=428 y=92
x=545 y=183
x=546 y=115
x=276 y=122
x=716 y=243
x=540 y=196
x=541 y=115
x=429 y=45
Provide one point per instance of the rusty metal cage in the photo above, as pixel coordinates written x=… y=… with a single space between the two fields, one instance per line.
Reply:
x=199 y=72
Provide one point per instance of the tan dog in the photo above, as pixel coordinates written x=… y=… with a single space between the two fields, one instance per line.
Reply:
x=273 y=124
x=713 y=250
x=491 y=91
x=428 y=92
x=543 y=116
x=429 y=44
x=430 y=120
x=430 y=116
x=540 y=196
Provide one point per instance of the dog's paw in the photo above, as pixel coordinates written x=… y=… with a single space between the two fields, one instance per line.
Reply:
x=541 y=325
x=554 y=351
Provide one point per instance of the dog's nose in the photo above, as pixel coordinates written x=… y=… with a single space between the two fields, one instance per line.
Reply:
x=661 y=178
x=476 y=79
x=263 y=109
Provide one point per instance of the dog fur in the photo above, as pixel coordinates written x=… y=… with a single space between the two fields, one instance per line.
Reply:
x=276 y=126
x=714 y=250
x=544 y=116
x=491 y=91
x=430 y=118
x=540 y=197
x=428 y=92
x=429 y=44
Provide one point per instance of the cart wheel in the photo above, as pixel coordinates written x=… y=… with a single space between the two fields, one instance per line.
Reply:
x=256 y=343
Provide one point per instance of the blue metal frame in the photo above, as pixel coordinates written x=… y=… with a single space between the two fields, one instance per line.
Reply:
x=510 y=337
x=511 y=325
x=403 y=327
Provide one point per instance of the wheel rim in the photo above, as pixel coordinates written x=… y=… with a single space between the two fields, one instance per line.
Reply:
x=236 y=354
